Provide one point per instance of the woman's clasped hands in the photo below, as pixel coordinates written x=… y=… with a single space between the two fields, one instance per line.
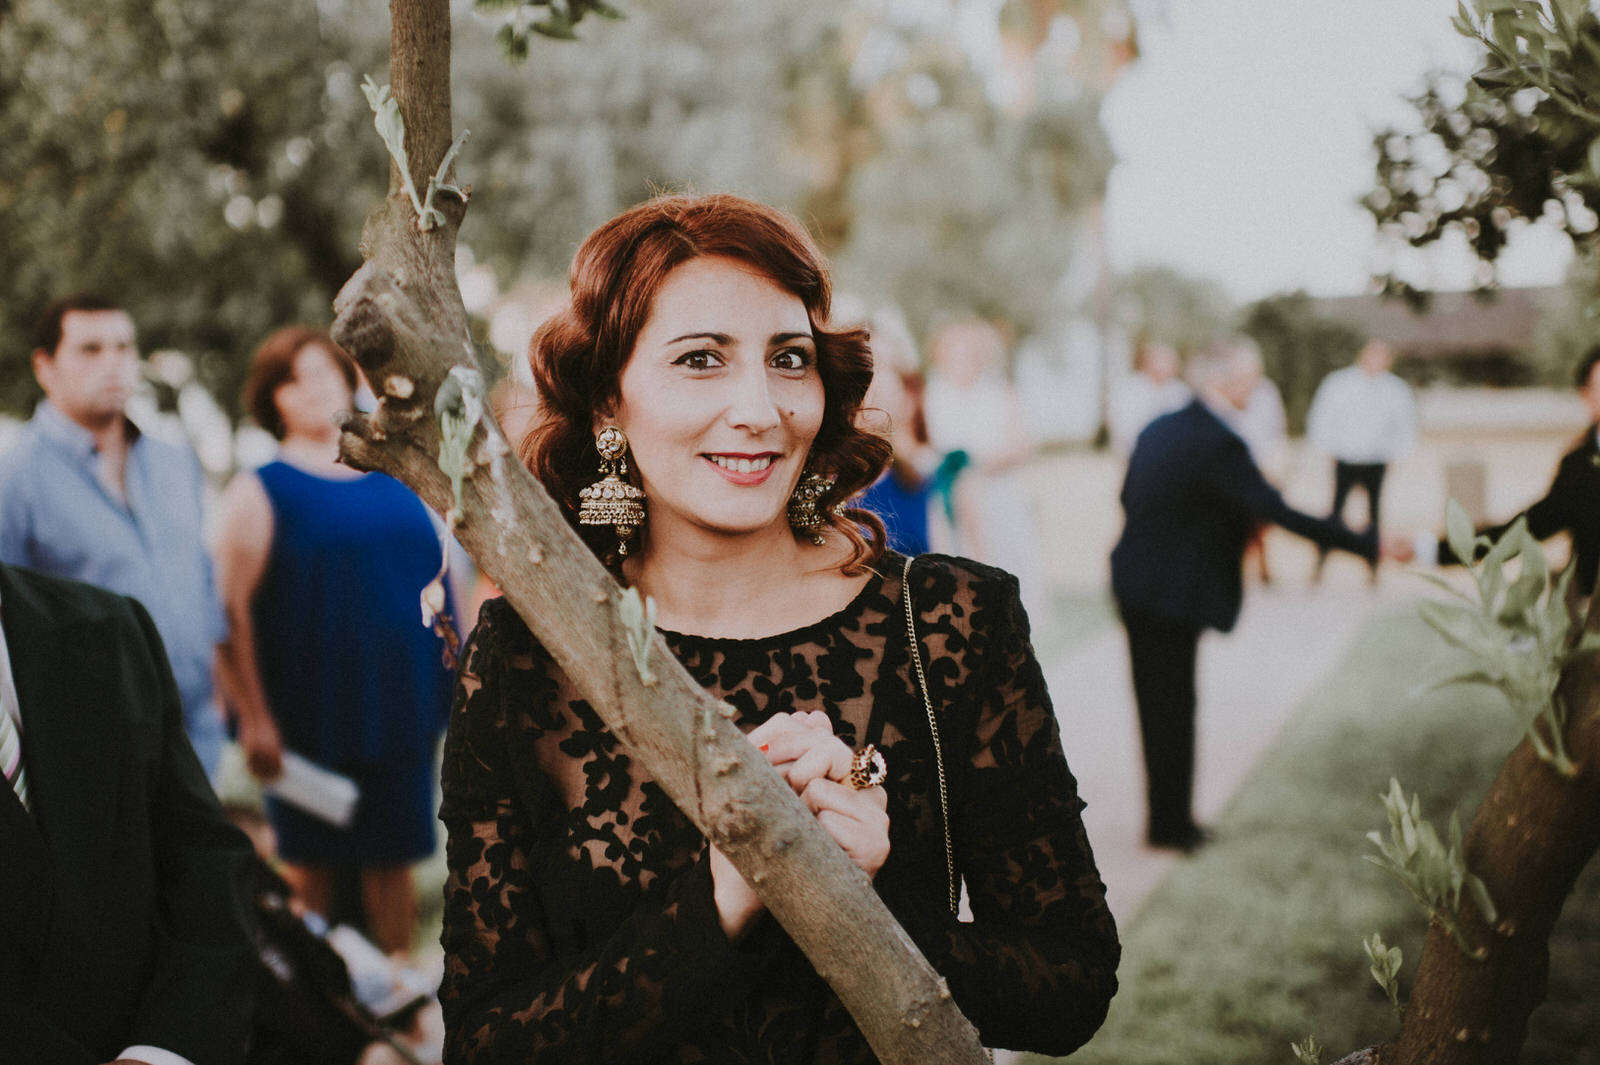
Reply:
x=816 y=763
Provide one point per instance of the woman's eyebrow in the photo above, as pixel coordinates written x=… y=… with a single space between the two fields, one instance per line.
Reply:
x=720 y=338
x=781 y=338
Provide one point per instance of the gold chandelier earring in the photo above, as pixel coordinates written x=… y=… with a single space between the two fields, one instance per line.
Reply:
x=612 y=500
x=806 y=515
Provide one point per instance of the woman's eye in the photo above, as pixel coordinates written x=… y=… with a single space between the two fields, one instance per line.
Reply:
x=697 y=360
x=792 y=359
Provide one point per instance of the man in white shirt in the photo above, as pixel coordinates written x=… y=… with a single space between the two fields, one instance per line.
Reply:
x=123 y=933
x=1364 y=417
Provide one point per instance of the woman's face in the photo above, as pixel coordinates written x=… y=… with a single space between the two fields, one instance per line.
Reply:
x=721 y=399
x=314 y=398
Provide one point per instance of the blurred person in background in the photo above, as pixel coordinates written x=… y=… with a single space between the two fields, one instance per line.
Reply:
x=1191 y=497
x=1153 y=388
x=698 y=379
x=1265 y=429
x=1363 y=417
x=123 y=927
x=85 y=494
x=972 y=408
x=904 y=497
x=1572 y=503
x=321 y=568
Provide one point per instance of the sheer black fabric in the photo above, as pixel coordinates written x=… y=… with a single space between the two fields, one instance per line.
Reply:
x=579 y=923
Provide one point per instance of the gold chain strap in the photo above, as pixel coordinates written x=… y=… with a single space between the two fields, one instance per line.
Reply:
x=933 y=726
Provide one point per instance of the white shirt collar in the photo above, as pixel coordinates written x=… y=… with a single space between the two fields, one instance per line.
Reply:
x=8 y=686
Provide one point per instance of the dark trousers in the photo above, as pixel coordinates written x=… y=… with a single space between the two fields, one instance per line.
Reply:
x=1368 y=476
x=1163 y=654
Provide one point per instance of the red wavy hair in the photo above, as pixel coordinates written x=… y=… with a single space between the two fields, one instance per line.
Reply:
x=577 y=356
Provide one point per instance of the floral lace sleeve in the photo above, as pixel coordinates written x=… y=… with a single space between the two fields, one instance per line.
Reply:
x=1036 y=967
x=511 y=992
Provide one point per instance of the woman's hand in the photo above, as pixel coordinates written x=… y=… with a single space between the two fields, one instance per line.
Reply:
x=261 y=745
x=737 y=903
x=815 y=762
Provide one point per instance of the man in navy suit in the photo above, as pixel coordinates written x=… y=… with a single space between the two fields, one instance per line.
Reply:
x=122 y=927
x=1192 y=496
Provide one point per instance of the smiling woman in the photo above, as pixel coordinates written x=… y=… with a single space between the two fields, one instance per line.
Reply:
x=699 y=422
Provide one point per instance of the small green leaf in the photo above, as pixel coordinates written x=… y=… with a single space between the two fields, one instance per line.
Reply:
x=1509 y=545
x=1481 y=899
x=514 y=44
x=1408 y=834
x=1458 y=529
x=1471 y=676
x=639 y=622
x=559 y=26
x=1567 y=16
x=1466 y=629
x=1309 y=1052
x=1521 y=597
x=1558 y=620
x=1442 y=584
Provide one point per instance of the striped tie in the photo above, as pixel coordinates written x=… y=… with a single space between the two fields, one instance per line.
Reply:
x=11 y=754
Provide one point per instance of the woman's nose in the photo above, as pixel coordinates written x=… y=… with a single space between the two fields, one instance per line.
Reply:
x=751 y=406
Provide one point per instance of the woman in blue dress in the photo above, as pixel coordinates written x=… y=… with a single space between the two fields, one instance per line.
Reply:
x=321 y=568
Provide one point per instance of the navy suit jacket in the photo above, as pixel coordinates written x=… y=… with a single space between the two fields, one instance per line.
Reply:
x=1191 y=498
x=121 y=917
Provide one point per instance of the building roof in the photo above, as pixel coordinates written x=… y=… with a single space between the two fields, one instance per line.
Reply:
x=1455 y=323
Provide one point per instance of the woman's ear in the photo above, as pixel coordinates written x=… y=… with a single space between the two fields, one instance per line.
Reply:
x=605 y=414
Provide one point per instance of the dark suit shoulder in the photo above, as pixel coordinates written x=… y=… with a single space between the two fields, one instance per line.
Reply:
x=61 y=599
x=1192 y=423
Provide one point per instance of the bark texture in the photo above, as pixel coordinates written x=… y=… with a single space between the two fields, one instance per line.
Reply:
x=401 y=317
x=1531 y=837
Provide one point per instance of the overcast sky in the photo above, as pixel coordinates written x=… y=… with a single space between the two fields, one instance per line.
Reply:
x=1243 y=136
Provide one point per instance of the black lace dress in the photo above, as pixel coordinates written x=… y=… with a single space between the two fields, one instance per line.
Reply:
x=579 y=924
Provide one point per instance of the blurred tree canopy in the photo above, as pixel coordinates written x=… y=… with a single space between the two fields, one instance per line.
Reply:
x=964 y=206
x=1160 y=304
x=677 y=96
x=210 y=163
x=1514 y=142
x=1299 y=347
x=1568 y=325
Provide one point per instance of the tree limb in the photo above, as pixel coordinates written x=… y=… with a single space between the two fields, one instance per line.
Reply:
x=401 y=317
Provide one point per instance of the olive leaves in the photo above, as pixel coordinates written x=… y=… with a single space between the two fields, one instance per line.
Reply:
x=557 y=19
x=1517 y=629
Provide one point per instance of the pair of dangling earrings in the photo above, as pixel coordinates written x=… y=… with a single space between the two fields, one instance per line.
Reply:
x=613 y=501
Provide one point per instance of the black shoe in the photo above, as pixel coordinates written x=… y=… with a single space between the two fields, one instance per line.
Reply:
x=1188 y=839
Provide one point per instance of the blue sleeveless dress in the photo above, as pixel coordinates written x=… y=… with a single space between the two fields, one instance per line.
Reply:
x=353 y=679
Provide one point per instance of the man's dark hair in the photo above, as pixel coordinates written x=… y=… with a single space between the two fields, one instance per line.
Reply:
x=1586 y=365
x=47 y=330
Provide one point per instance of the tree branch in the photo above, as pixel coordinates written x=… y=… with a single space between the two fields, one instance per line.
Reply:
x=401 y=317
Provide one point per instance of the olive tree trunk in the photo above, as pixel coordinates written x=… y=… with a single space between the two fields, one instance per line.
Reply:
x=1532 y=836
x=402 y=318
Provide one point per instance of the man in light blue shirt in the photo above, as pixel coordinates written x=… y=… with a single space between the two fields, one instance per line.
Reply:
x=84 y=494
